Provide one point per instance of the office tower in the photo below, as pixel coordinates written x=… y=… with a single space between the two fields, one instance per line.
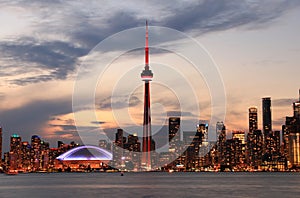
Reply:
x=44 y=157
x=233 y=155
x=219 y=128
x=35 y=152
x=252 y=119
x=254 y=149
x=240 y=147
x=118 y=149
x=296 y=109
x=120 y=139
x=291 y=137
x=147 y=76
x=192 y=142
x=132 y=152
x=202 y=128
x=15 y=152
x=221 y=142
x=174 y=133
x=0 y=144
x=267 y=117
x=25 y=150
x=133 y=143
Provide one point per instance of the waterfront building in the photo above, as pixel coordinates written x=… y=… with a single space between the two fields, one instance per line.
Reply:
x=267 y=115
x=254 y=149
x=174 y=134
x=291 y=137
x=253 y=124
x=15 y=152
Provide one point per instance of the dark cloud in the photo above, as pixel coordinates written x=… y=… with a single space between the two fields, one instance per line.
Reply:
x=283 y=102
x=119 y=102
x=31 y=118
x=98 y=122
x=55 y=57
x=85 y=28
x=215 y=15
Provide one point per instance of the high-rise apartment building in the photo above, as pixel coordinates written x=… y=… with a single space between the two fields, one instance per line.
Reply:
x=252 y=119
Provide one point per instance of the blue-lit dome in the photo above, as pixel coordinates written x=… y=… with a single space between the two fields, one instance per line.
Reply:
x=86 y=153
x=35 y=137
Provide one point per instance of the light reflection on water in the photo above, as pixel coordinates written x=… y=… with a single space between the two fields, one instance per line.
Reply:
x=151 y=185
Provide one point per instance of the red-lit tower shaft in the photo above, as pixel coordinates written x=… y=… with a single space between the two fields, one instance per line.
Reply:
x=147 y=139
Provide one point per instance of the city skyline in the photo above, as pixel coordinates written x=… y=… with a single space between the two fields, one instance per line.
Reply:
x=36 y=58
x=174 y=128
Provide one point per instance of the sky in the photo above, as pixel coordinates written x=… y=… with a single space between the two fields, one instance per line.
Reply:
x=44 y=45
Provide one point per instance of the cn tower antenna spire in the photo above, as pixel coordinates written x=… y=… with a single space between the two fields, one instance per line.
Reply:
x=146 y=48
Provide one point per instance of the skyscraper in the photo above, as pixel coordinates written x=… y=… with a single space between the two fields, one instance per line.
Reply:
x=252 y=119
x=174 y=136
x=0 y=144
x=147 y=76
x=35 y=152
x=254 y=148
x=267 y=117
x=15 y=152
x=291 y=136
x=221 y=142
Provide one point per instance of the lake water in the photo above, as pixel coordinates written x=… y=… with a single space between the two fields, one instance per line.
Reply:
x=150 y=184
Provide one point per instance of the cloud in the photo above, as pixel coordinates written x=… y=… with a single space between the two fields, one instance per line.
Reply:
x=119 y=102
x=60 y=32
x=98 y=122
x=34 y=58
x=31 y=118
x=216 y=15
x=283 y=102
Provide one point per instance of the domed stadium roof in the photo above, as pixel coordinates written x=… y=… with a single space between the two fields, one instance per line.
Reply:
x=86 y=153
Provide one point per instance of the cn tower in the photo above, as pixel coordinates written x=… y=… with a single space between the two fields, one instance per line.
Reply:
x=147 y=76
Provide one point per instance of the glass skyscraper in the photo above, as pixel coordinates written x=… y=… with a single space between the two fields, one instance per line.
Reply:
x=267 y=117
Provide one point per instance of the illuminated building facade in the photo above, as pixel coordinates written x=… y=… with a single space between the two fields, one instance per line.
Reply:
x=240 y=147
x=291 y=137
x=254 y=149
x=25 y=156
x=252 y=119
x=15 y=152
x=221 y=142
x=35 y=152
x=192 y=141
x=84 y=158
x=126 y=151
x=174 y=134
x=202 y=128
x=118 y=149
